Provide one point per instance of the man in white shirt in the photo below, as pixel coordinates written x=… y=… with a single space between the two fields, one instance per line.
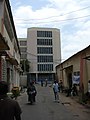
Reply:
x=56 y=91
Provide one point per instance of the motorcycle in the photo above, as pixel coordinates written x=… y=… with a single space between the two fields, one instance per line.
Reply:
x=31 y=97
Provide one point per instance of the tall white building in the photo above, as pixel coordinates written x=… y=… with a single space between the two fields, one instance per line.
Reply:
x=43 y=52
x=23 y=50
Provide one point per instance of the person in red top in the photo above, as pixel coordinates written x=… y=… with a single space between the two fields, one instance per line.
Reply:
x=9 y=108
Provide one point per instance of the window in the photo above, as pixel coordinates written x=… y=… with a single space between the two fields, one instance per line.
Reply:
x=44 y=50
x=23 y=56
x=23 y=43
x=45 y=67
x=45 y=59
x=23 y=49
x=44 y=33
x=44 y=41
x=77 y=73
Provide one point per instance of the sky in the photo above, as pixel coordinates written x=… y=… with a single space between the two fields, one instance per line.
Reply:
x=72 y=17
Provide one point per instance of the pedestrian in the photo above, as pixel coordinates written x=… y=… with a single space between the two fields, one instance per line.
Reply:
x=61 y=86
x=68 y=91
x=46 y=82
x=88 y=92
x=56 y=91
x=89 y=88
x=9 y=108
x=74 y=91
x=42 y=83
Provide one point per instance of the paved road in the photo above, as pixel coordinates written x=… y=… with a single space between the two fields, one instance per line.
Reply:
x=46 y=109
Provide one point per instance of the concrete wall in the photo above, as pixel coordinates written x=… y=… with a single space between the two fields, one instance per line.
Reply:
x=1 y=15
x=32 y=49
x=23 y=80
x=56 y=47
x=73 y=64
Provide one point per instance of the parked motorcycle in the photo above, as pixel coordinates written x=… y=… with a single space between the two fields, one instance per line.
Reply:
x=31 y=91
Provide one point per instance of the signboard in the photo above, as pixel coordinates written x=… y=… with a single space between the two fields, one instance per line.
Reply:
x=75 y=79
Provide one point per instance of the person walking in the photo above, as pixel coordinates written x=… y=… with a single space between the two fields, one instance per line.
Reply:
x=46 y=82
x=42 y=83
x=56 y=91
x=9 y=108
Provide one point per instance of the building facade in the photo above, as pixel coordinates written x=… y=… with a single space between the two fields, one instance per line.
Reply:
x=75 y=70
x=9 y=47
x=23 y=58
x=23 y=48
x=43 y=52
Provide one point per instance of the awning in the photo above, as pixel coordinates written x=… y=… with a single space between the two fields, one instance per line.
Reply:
x=3 y=53
x=69 y=66
x=19 y=68
x=11 y=59
x=3 y=43
x=87 y=58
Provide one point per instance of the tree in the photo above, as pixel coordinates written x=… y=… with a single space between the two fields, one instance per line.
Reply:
x=25 y=65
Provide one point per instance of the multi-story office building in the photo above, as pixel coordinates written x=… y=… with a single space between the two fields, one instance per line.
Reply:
x=44 y=52
x=23 y=48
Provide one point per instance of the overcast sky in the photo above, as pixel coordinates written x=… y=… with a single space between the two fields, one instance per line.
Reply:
x=72 y=17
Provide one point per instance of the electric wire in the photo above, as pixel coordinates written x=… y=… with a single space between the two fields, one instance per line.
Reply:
x=56 y=21
x=55 y=16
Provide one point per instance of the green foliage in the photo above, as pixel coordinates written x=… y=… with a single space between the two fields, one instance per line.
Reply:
x=15 y=91
x=25 y=65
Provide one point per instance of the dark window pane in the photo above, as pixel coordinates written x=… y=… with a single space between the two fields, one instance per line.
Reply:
x=44 y=33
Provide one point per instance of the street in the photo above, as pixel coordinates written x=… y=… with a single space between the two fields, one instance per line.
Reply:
x=46 y=108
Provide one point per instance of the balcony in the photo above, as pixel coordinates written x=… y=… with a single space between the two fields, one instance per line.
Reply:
x=3 y=44
x=12 y=60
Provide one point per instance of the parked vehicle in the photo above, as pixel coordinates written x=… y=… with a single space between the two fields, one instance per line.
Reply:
x=31 y=97
x=31 y=91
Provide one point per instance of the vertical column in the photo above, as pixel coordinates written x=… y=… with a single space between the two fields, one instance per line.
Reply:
x=2 y=27
x=0 y=69
x=82 y=63
x=36 y=77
